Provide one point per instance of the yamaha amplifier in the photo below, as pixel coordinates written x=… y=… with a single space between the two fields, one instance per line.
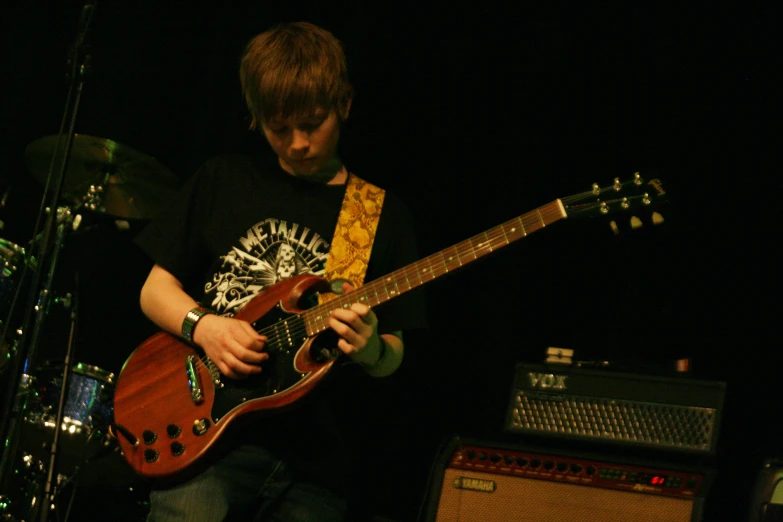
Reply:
x=480 y=481
x=678 y=414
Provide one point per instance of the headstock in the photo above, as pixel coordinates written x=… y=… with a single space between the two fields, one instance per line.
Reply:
x=627 y=196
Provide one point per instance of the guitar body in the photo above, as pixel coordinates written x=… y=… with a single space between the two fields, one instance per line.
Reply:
x=163 y=430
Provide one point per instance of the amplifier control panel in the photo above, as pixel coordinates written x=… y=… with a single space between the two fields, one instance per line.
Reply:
x=577 y=470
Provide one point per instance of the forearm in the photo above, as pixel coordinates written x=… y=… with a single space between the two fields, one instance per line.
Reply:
x=164 y=301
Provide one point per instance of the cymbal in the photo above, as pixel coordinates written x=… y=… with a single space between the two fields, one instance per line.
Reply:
x=105 y=176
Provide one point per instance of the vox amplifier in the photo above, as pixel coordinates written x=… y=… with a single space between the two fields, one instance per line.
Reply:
x=678 y=414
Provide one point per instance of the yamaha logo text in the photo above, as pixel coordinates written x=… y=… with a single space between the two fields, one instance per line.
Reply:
x=474 y=484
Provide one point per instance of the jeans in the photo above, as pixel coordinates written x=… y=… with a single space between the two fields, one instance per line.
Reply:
x=248 y=484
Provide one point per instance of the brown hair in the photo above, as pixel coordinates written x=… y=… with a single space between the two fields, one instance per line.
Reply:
x=292 y=69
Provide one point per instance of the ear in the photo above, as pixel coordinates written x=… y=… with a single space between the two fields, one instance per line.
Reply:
x=345 y=110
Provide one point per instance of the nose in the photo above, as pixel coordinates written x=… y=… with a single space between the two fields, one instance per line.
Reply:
x=300 y=141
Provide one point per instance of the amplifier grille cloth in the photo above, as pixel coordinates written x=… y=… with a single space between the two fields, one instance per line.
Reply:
x=653 y=424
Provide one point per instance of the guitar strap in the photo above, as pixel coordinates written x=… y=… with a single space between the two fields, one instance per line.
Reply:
x=353 y=238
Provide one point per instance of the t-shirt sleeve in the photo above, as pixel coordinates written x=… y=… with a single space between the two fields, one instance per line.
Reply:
x=174 y=239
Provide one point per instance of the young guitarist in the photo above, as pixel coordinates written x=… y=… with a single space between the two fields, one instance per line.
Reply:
x=243 y=224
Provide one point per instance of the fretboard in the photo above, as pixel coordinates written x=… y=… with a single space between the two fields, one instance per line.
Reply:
x=436 y=265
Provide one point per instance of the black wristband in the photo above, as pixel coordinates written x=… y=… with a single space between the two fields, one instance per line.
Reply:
x=381 y=356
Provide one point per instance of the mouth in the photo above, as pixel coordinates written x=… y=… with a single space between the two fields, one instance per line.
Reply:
x=305 y=162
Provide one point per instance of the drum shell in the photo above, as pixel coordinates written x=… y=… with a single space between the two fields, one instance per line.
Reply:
x=87 y=414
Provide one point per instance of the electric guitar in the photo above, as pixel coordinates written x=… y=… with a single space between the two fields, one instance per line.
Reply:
x=171 y=404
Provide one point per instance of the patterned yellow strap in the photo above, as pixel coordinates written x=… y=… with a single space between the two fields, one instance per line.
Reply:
x=357 y=223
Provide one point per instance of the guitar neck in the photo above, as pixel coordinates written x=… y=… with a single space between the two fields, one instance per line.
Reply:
x=438 y=264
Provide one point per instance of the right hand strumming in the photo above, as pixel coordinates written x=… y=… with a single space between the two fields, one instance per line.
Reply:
x=232 y=344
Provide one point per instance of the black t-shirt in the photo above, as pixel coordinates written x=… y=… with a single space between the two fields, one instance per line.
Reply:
x=241 y=224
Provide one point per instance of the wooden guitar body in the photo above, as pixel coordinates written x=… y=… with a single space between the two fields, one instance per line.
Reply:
x=163 y=430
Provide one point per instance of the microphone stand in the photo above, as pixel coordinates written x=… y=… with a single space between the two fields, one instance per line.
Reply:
x=24 y=358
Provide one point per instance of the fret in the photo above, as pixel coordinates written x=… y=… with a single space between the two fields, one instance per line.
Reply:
x=369 y=293
x=378 y=299
x=428 y=271
x=522 y=226
x=480 y=247
x=500 y=240
x=440 y=268
x=471 y=248
x=530 y=222
x=408 y=284
x=396 y=290
x=513 y=230
x=418 y=271
x=452 y=257
x=383 y=296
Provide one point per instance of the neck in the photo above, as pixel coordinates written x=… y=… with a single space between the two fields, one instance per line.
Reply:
x=333 y=173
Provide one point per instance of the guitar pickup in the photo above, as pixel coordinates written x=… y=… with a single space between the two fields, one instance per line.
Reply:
x=194 y=382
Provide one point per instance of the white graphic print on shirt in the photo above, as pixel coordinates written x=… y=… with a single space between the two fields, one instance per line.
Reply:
x=271 y=251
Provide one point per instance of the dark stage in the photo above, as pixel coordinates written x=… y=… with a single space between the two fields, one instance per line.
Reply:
x=473 y=115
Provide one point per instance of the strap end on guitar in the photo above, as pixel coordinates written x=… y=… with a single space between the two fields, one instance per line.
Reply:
x=125 y=432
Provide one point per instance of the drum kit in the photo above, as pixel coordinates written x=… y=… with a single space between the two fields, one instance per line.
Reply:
x=42 y=465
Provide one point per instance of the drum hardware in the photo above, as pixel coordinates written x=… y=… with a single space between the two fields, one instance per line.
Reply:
x=33 y=423
x=35 y=314
x=53 y=225
x=79 y=173
x=85 y=444
x=106 y=177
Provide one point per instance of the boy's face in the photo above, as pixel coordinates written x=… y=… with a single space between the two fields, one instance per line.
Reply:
x=305 y=145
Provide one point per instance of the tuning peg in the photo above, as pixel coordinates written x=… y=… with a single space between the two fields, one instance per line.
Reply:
x=657 y=218
x=614 y=227
x=636 y=222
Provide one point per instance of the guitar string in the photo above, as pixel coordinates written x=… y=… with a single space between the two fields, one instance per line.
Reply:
x=546 y=213
x=299 y=330
x=296 y=328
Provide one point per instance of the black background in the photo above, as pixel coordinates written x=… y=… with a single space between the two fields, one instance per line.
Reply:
x=473 y=115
